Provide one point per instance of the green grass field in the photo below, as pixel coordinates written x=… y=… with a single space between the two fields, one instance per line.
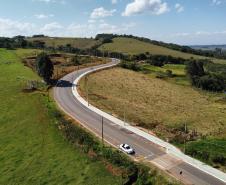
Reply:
x=32 y=150
x=81 y=43
x=178 y=71
x=132 y=46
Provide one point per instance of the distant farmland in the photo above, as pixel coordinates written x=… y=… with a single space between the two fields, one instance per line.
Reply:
x=133 y=46
x=81 y=43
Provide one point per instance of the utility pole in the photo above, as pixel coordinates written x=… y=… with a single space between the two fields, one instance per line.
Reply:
x=125 y=103
x=185 y=131
x=57 y=73
x=102 y=129
x=124 y=114
x=48 y=95
x=185 y=145
x=87 y=93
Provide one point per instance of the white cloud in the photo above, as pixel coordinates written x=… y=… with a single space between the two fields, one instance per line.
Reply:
x=114 y=1
x=10 y=28
x=51 y=1
x=80 y=30
x=197 y=38
x=216 y=2
x=52 y=29
x=43 y=16
x=101 y=13
x=84 y=30
x=155 y=7
x=45 y=1
x=91 y=21
x=179 y=8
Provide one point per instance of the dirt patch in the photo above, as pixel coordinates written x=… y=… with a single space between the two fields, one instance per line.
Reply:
x=114 y=170
x=63 y=63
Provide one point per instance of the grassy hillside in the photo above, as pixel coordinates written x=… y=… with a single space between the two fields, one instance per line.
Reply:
x=32 y=150
x=151 y=101
x=81 y=43
x=133 y=46
x=160 y=106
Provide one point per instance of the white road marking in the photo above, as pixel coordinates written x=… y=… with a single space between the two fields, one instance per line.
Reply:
x=150 y=155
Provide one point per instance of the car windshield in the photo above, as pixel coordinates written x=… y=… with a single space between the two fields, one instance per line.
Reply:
x=127 y=147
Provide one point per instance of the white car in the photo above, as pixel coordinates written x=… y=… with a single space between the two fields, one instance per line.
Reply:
x=127 y=149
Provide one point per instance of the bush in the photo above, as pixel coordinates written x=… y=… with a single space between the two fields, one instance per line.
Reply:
x=195 y=69
x=130 y=65
x=107 y=40
x=169 y=73
x=161 y=60
x=156 y=63
x=219 y=159
x=211 y=82
x=161 y=75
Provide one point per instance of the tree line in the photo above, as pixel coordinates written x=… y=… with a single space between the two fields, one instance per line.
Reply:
x=217 y=53
x=206 y=79
x=20 y=41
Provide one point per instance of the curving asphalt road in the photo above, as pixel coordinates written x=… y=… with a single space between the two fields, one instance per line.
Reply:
x=115 y=135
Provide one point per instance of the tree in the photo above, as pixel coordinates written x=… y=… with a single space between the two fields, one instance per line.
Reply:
x=20 y=41
x=195 y=70
x=38 y=44
x=44 y=67
x=75 y=60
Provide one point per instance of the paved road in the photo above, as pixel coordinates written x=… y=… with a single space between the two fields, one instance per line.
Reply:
x=115 y=135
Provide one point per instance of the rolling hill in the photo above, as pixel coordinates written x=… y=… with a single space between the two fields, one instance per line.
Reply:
x=81 y=43
x=133 y=46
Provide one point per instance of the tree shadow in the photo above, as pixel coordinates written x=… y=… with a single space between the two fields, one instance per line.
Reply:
x=64 y=83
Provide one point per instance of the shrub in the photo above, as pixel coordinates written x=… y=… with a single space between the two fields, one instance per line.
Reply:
x=211 y=82
x=219 y=158
x=156 y=63
x=194 y=69
x=130 y=65
x=169 y=73
x=161 y=60
x=75 y=60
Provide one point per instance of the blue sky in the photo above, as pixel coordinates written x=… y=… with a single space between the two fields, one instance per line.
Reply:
x=184 y=22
